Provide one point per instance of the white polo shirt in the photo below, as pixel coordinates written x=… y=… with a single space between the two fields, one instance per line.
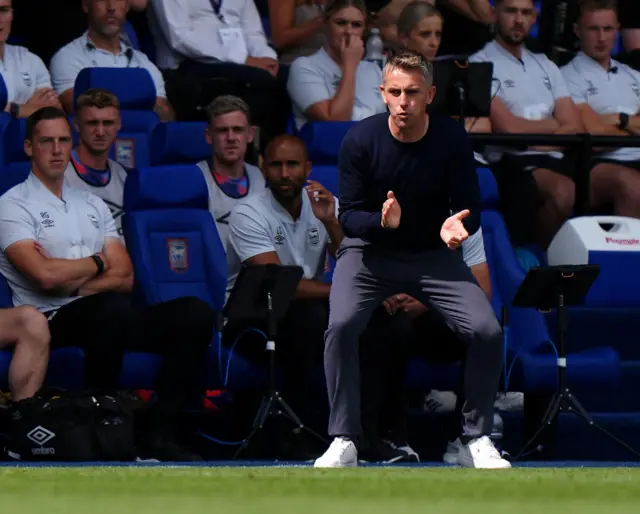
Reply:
x=529 y=87
x=263 y=225
x=73 y=228
x=220 y=204
x=23 y=73
x=111 y=193
x=315 y=78
x=607 y=92
x=72 y=58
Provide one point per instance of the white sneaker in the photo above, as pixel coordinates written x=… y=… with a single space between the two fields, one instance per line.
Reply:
x=413 y=455
x=451 y=453
x=481 y=453
x=341 y=454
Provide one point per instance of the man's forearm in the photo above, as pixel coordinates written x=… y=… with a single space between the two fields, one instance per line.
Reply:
x=66 y=275
x=108 y=282
x=312 y=290
x=335 y=234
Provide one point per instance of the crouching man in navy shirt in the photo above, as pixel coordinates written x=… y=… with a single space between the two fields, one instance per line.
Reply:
x=61 y=253
x=402 y=175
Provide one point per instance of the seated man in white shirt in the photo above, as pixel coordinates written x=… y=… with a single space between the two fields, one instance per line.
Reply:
x=97 y=121
x=208 y=48
x=607 y=94
x=229 y=178
x=335 y=84
x=61 y=254
x=25 y=75
x=530 y=96
x=25 y=331
x=104 y=45
x=293 y=222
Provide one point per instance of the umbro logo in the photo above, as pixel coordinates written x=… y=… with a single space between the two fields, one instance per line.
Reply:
x=40 y=435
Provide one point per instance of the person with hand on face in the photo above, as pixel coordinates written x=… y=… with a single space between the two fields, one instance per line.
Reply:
x=402 y=175
x=335 y=84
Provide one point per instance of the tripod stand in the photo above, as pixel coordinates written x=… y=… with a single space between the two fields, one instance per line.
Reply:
x=264 y=292
x=559 y=287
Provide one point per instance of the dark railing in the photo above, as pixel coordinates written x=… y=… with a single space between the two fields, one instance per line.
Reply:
x=579 y=144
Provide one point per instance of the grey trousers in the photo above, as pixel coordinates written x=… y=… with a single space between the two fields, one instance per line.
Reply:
x=363 y=278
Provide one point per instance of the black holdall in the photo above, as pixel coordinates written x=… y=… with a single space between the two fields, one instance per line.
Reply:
x=71 y=427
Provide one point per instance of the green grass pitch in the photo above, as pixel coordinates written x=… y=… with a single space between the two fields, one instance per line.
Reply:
x=305 y=490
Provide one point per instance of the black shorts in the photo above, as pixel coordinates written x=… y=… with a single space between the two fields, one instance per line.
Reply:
x=519 y=194
x=634 y=165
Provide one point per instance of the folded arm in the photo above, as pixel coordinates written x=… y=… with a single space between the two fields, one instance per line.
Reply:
x=119 y=276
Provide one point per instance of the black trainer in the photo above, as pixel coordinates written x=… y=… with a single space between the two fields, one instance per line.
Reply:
x=382 y=451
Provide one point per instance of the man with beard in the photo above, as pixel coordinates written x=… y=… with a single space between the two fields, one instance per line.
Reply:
x=292 y=222
x=530 y=97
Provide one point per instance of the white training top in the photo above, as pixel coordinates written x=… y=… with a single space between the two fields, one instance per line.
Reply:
x=73 y=228
x=81 y=53
x=111 y=193
x=23 y=73
x=529 y=87
x=315 y=78
x=473 y=249
x=220 y=204
x=607 y=92
x=190 y=29
x=263 y=225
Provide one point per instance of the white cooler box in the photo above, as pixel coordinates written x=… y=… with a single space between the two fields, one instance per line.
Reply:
x=613 y=242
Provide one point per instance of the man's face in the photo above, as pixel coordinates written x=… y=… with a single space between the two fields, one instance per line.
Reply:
x=107 y=16
x=514 y=19
x=50 y=149
x=6 y=18
x=407 y=94
x=598 y=31
x=286 y=169
x=425 y=37
x=229 y=136
x=98 y=128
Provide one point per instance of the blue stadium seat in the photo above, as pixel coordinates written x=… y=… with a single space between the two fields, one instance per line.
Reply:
x=528 y=339
x=132 y=36
x=176 y=252
x=327 y=176
x=134 y=87
x=179 y=143
x=4 y=95
x=13 y=141
x=323 y=140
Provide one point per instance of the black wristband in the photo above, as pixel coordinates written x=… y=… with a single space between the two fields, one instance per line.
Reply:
x=99 y=263
x=624 y=121
x=14 y=110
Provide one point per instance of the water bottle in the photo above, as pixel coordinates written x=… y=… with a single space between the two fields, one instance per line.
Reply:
x=375 y=48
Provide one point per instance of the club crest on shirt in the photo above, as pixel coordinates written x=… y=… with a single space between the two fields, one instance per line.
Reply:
x=26 y=78
x=313 y=236
x=635 y=89
x=178 y=253
x=279 y=237
x=94 y=220
x=547 y=83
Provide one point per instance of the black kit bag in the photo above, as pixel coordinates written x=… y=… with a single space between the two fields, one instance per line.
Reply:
x=71 y=427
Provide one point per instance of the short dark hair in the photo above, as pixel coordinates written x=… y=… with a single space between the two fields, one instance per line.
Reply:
x=413 y=14
x=408 y=60
x=95 y=97
x=43 y=114
x=224 y=105
x=585 y=6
